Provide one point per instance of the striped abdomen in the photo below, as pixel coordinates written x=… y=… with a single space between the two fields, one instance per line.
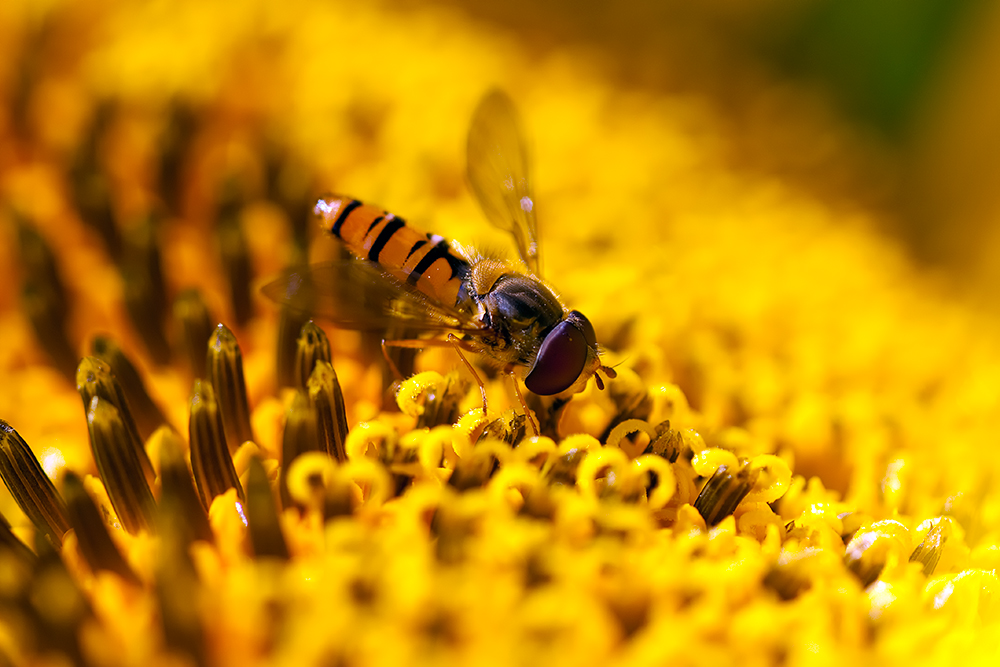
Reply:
x=425 y=261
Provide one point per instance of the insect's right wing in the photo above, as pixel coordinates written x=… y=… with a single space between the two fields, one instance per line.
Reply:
x=356 y=294
x=498 y=172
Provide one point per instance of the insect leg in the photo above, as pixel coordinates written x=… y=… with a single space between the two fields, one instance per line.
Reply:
x=452 y=341
x=509 y=370
x=385 y=355
x=457 y=343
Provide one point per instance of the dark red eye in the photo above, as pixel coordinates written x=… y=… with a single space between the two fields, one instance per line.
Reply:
x=560 y=360
x=584 y=325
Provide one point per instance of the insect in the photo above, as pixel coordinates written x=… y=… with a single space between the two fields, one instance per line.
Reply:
x=483 y=304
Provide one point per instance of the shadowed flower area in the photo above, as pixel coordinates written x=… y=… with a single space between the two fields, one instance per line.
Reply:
x=795 y=464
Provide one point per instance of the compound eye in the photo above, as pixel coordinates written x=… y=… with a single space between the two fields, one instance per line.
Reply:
x=560 y=360
x=584 y=325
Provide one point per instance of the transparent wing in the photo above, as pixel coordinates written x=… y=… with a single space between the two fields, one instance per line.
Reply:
x=356 y=294
x=498 y=173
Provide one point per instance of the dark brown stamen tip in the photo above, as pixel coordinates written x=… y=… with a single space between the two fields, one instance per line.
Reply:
x=30 y=487
x=300 y=436
x=262 y=515
x=194 y=328
x=442 y=403
x=723 y=492
x=327 y=401
x=16 y=555
x=148 y=416
x=94 y=378
x=177 y=488
x=116 y=453
x=473 y=471
x=224 y=365
x=211 y=462
x=928 y=552
x=312 y=346
x=174 y=145
x=91 y=191
x=38 y=260
x=668 y=443
x=47 y=313
x=236 y=262
x=290 y=323
x=145 y=292
x=92 y=535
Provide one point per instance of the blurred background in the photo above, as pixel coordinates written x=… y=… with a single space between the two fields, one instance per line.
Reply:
x=887 y=104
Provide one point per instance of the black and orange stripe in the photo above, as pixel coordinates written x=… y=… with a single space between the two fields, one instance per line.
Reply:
x=425 y=261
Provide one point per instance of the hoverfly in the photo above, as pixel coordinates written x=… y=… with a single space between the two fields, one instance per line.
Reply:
x=406 y=278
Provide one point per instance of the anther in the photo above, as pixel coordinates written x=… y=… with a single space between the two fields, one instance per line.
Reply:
x=224 y=366
x=723 y=492
x=211 y=462
x=38 y=260
x=194 y=328
x=116 y=453
x=30 y=487
x=14 y=554
x=148 y=416
x=145 y=293
x=174 y=144
x=90 y=185
x=928 y=552
x=177 y=487
x=94 y=378
x=92 y=535
x=312 y=346
x=262 y=515
x=327 y=401
x=235 y=253
x=47 y=313
x=300 y=436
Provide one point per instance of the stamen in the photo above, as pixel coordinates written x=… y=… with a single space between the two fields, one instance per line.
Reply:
x=194 y=328
x=928 y=552
x=37 y=259
x=290 y=323
x=47 y=314
x=31 y=489
x=235 y=253
x=300 y=436
x=211 y=462
x=174 y=144
x=225 y=372
x=145 y=293
x=92 y=535
x=723 y=492
x=148 y=416
x=262 y=515
x=94 y=378
x=90 y=185
x=327 y=401
x=116 y=453
x=177 y=487
x=14 y=553
x=312 y=346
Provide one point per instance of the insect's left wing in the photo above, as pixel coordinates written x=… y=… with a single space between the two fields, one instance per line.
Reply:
x=356 y=294
x=498 y=173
